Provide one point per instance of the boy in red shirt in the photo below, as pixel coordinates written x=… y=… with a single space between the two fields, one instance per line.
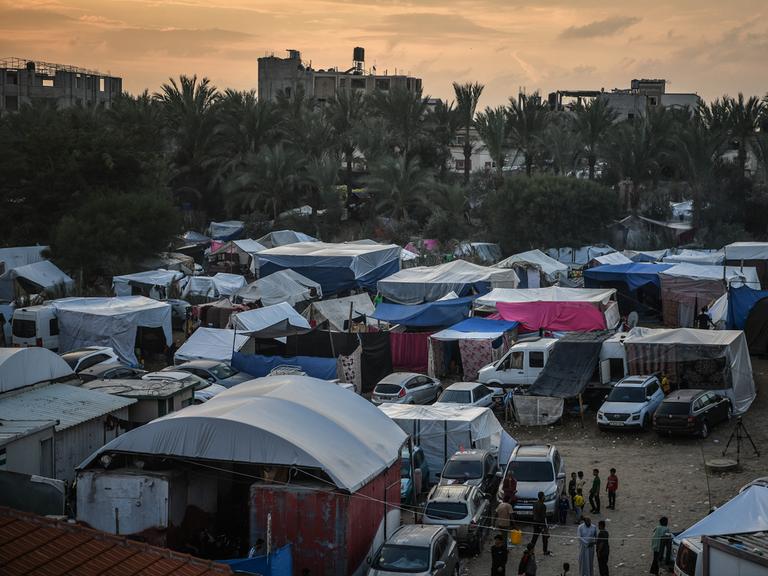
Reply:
x=611 y=486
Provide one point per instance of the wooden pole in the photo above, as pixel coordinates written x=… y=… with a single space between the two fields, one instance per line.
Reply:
x=349 y=324
x=581 y=410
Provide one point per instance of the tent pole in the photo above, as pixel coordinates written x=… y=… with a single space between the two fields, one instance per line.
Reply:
x=349 y=324
x=581 y=410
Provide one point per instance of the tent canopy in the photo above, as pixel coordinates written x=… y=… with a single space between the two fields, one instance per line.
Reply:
x=612 y=258
x=11 y=258
x=283 y=237
x=274 y=321
x=336 y=310
x=741 y=300
x=430 y=283
x=282 y=286
x=226 y=230
x=551 y=268
x=578 y=256
x=45 y=276
x=634 y=275
x=152 y=279
x=745 y=512
x=21 y=367
x=110 y=322
x=336 y=267
x=733 y=275
x=599 y=296
x=476 y=329
x=210 y=344
x=645 y=255
x=703 y=257
x=747 y=251
x=440 y=313
x=277 y=420
x=556 y=316
x=228 y=284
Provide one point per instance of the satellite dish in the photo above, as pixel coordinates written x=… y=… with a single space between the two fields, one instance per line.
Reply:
x=632 y=319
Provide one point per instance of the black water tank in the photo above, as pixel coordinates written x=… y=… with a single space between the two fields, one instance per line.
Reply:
x=358 y=54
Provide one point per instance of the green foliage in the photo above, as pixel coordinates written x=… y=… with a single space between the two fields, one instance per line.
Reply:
x=549 y=211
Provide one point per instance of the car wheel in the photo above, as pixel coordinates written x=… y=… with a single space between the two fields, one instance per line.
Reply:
x=644 y=424
x=704 y=432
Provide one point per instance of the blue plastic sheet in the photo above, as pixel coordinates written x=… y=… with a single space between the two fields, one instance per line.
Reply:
x=278 y=563
x=634 y=275
x=440 y=313
x=484 y=325
x=741 y=300
x=257 y=365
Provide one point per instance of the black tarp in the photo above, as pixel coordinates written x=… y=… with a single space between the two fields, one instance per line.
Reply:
x=756 y=328
x=571 y=364
x=376 y=358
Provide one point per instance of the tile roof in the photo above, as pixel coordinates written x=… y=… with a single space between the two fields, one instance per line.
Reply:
x=31 y=544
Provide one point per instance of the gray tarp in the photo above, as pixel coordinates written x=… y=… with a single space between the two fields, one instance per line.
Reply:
x=281 y=286
x=45 y=276
x=336 y=311
x=11 y=258
x=273 y=321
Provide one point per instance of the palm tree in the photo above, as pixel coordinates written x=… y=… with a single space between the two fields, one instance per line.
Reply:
x=467 y=97
x=403 y=112
x=399 y=184
x=344 y=113
x=743 y=120
x=322 y=175
x=561 y=143
x=442 y=124
x=592 y=122
x=527 y=119
x=493 y=127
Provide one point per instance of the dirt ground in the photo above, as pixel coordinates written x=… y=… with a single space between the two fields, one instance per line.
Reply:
x=657 y=477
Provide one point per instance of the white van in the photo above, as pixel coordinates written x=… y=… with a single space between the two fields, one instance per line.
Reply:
x=520 y=366
x=35 y=326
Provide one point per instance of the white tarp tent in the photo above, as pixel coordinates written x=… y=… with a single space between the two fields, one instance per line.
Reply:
x=158 y=284
x=45 y=277
x=552 y=294
x=245 y=249
x=578 y=256
x=441 y=431
x=201 y=287
x=21 y=367
x=225 y=230
x=549 y=268
x=680 y=351
x=729 y=275
x=745 y=512
x=12 y=258
x=430 y=283
x=336 y=311
x=612 y=258
x=276 y=420
x=210 y=344
x=228 y=284
x=281 y=286
x=110 y=322
x=746 y=251
x=273 y=321
x=705 y=257
x=284 y=237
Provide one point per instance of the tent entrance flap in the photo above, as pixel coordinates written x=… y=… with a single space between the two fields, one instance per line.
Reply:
x=537 y=410
x=570 y=366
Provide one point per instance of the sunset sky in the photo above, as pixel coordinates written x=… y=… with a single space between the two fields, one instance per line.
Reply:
x=708 y=46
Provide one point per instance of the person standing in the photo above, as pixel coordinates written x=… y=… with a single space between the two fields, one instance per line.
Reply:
x=704 y=320
x=658 y=539
x=587 y=534
x=594 y=492
x=602 y=547
x=504 y=514
x=510 y=487
x=540 y=524
x=527 y=566
x=611 y=486
x=499 y=556
x=563 y=505
x=572 y=490
x=581 y=482
x=578 y=502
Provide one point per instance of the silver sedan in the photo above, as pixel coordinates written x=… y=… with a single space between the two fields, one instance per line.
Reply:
x=406 y=388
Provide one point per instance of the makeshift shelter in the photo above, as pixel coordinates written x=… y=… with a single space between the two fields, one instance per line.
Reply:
x=113 y=322
x=429 y=283
x=535 y=269
x=211 y=344
x=745 y=512
x=646 y=255
x=701 y=257
x=200 y=289
x=478 y=342
x=610 y=258
x=176 y=261
x=685 y=288
x=274 y=321
x=192 y=237
x=237 y=254
x=577 y=257
x=336 y=311
x=228 y=284
x=284 y=237
x=282 y=286
x=753 y=254
x=21 y=367
x=715 y=360
x=431 y=314
x=748 y=311
x=486 y=252
x=45 y=278
x=441 y=431
x=228 y=230
x=638 y=285
x=336 y=267
x=158 y=284
x=216 y=314
x=12 y=258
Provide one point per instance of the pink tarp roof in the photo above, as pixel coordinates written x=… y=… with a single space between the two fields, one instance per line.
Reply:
x=555 y=316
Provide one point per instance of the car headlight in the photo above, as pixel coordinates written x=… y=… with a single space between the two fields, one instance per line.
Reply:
x=600 y=416
x=551 y=495
x=636 y=416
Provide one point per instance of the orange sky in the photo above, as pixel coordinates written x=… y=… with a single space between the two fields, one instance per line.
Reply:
x=708 y=46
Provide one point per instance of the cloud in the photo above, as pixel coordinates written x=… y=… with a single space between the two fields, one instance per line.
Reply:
x=174 y=42
x=606 y=27
x=432 y=25
x=32 y=19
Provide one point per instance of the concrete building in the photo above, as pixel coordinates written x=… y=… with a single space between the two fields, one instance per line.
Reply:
x=287 y=75
x=25 y=82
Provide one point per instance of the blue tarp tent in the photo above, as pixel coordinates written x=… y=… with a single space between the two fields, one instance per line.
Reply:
x=440 y=313
x=258 y=366
x=635 y=275
x=476 y=325
x=741 y=300
x=278 y=563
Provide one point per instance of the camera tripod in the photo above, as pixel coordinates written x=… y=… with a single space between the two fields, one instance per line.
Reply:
x=740 y=433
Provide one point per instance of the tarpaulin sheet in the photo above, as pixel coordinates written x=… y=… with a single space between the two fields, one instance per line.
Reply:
x=440 y=313
x=322 y=343
x=549 y=267
x=226 y=230
x=476 y=328
x=257 y=365
x=376 y=359
x=210 y=344
x=336 y=311
x=570 y=366
x=283 y=237
x=282 y=286
x=271 y=321
x=741 y=300
x=746 y=251
x=277 y=563
x=556 y=316
x=537 y=410
x=410 y=351
x=45 y=276
x=635 y=275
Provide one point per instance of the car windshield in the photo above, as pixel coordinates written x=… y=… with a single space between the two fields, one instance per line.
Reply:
x=387 y=389
x=461 y=469
x=674 y=408
x=446 y=510
x=393 y=558
x=24 y=328
x=456 y=396
x=222 y=371
x=532 y=471
x=627 y=394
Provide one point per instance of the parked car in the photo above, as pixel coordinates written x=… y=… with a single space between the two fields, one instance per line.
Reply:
x=406 y=388
x=417 y=475
x=417 y=549
x=692 y=412
x=35 y=326
x=89 y=356
x=463 y=510
x=537 y=468
x=470 y=394
x=215 y=372
x=473 y=468
x=204 y=390
x=110 y=371
x=631 y=403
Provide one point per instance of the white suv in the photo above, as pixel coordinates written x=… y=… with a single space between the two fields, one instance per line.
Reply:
x=631 y=403
x=537 y=469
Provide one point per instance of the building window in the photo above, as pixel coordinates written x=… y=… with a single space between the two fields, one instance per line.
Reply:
x=11 y=102
x=459 y=164
x=342 y=82
x=12 y=77
x=630 y=116
x=287 y=91
x=382 y=84
x=652 y=101
x=78 y=81
x=47 y=82
x=357 y=83
x=101 y=84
